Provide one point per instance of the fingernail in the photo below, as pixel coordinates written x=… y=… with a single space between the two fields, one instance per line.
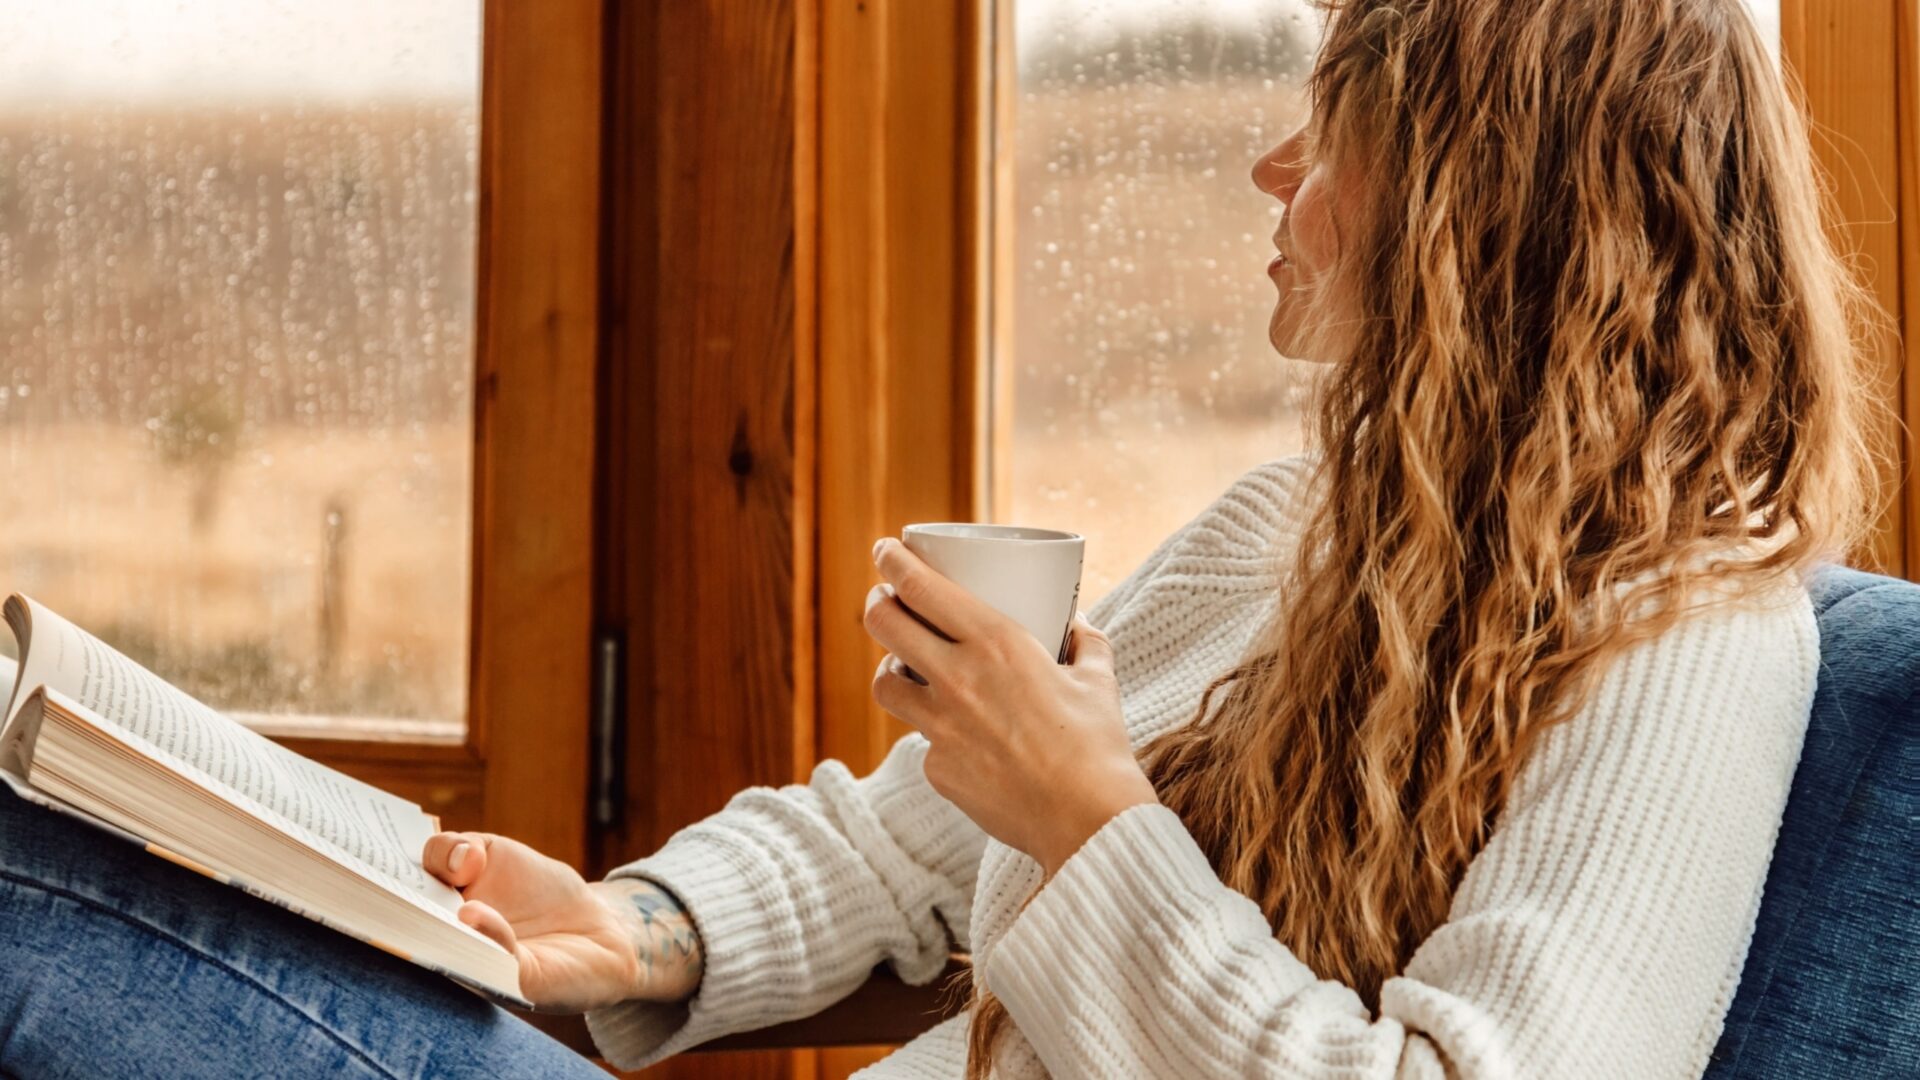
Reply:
x=876 y=594
x=457 y=856
x=1081 y=617
x=877 y=545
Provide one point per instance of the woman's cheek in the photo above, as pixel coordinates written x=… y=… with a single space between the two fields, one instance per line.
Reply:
x=1314 y=236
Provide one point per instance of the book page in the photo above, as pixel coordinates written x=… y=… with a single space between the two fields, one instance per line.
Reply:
x=9 y=674
x=335 y=813
x=11 y=768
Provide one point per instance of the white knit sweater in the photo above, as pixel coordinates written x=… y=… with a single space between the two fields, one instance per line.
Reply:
x=1600 y=933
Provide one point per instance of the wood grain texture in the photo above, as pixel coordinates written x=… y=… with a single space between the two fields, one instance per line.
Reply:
x=1843 y=55
x=806 y=399
x=706 y=540
x=1907 y=105
x=853 y=1033
x=901 y=385
x=853 y=389
x=447 y=781
x=1001 y=98
x=899 y=124
x=534 y=423
x=786 y=372
x=701 y=363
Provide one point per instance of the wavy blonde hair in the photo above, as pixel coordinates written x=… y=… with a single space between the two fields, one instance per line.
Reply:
x=1599 y=351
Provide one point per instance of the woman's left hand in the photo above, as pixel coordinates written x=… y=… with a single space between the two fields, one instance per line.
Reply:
x=1034 y=751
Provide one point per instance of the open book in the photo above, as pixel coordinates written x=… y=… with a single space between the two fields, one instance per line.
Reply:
x=94 y=735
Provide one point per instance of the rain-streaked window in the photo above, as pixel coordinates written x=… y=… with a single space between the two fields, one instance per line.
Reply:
x=1134 y=377
x=237 y=246
x=1141 y=380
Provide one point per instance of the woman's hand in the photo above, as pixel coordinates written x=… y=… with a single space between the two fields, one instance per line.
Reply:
x=1033 y=751
x=580 y=945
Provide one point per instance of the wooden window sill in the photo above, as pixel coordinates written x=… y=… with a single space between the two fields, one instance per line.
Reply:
x=883 y=1012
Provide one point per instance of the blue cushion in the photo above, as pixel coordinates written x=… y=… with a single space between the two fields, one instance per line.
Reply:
x=1831 y=986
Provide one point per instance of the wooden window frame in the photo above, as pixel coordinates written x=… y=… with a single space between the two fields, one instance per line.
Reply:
x=793 y=365
x=787 y=329
x=521 y=767
x=1855 y=65
x=906 y=105
x=903 y=111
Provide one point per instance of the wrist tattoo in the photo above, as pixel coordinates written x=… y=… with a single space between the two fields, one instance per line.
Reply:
x=664 y=939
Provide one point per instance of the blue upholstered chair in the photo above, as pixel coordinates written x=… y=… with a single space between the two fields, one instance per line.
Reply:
x=1832 y=983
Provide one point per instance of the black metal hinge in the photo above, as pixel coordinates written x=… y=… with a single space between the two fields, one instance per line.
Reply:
x=608 y=798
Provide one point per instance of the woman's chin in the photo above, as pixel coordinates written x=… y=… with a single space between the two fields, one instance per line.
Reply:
x=1284 y=334
x=1288 y=333
x=1294 y=348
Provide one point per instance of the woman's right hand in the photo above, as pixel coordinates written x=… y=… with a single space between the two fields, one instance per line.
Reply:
x=580 y=945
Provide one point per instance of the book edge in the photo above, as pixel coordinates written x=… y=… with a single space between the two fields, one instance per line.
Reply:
x=42 y=799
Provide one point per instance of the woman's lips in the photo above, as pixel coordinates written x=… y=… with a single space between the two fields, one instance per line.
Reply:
x=1279 y=260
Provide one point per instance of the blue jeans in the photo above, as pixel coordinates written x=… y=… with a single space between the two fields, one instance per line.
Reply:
x=114 y=963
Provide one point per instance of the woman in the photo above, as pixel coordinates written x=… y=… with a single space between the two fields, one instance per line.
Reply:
x=1457 y=748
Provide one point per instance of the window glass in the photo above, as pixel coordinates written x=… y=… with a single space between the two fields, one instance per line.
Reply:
x=1134 y=339
x=1766 y=15
x=236 y=343
x=1133 y=377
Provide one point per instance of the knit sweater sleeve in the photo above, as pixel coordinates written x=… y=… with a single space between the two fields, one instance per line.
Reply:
x=1599 y=933
x=797 y=893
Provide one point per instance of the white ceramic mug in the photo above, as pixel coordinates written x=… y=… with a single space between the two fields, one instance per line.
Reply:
x=1030 y=575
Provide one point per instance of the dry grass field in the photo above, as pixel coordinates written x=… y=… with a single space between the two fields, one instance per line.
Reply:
x=94 y=522
x=218 y=324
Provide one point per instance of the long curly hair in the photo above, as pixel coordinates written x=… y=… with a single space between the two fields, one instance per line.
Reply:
x=1599 y=351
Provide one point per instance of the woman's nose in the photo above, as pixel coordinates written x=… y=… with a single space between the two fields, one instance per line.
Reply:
x=1278 y=171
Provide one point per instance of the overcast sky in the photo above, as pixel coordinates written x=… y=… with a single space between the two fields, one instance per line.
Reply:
x=1114 y=17
x=328 y=50
x=254 y=50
